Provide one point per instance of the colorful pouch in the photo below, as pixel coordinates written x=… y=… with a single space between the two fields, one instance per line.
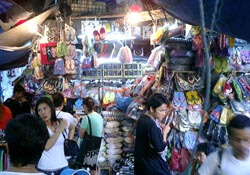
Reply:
x=216 y=113
x=218 y=88
x=70 y=67
x=245 y=55
x=179 y=100
x=194 y=118
x=61 y=49
x=224 y=116
x=59 y=67
x=217 y=65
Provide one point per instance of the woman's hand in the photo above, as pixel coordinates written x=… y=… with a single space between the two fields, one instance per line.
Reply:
x=165 y=132
x=166 y=129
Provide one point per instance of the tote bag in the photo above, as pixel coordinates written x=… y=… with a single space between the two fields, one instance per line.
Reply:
x=89 y=149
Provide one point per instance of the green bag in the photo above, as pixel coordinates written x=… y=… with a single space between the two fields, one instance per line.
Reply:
x=237 y=89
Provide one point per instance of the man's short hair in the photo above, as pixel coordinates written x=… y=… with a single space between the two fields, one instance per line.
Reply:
x=26 y=136
x=18 y=88
x=239 y=122
x=58 y=99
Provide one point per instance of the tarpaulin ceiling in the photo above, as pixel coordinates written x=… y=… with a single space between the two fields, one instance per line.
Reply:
x=11 y=57
x=232 y=17
x=5 y=6
x=12 y=50
x=18 y=35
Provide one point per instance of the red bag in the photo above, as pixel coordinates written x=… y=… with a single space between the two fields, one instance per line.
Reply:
x=179 y=160
x=185 y=155
x=175 y=159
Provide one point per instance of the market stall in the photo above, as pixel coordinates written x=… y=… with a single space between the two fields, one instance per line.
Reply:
x=107 y=67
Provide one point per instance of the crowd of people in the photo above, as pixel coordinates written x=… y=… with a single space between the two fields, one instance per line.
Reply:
x=35 y=137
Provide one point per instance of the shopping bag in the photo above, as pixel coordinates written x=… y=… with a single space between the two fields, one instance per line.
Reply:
x=89 y=149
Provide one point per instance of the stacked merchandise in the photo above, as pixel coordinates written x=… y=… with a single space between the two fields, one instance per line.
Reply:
x=128 y=135
x=125 y=166
x=181 y=57
x=118 y=144
x=113 y=136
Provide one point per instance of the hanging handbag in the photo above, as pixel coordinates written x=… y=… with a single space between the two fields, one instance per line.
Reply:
x=70 y=146
x=89 y=150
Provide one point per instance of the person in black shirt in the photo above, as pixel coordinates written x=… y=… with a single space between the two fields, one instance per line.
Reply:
x=151 y=139
x=18 y=103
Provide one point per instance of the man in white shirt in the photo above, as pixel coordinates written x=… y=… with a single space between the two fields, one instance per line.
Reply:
x=58 y=100
x=234 y=160
x=26 y=138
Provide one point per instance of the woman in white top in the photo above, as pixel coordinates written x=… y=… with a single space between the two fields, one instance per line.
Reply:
x=53 y=159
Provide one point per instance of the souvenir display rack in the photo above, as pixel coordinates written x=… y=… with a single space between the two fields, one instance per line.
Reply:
x=114 y=71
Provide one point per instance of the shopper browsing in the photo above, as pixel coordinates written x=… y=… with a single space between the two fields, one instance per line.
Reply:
x=151 y=138
x=58 y=100
x=26 y=136
x=235 y=159
x=96 y=121
x=53 y=159
x=18 y=104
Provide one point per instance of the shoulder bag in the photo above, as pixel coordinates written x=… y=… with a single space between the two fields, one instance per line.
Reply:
x=89 y=149
x=70 y=146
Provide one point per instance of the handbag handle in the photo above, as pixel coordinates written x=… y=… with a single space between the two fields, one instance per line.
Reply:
x=64 y=130
x=64 y=134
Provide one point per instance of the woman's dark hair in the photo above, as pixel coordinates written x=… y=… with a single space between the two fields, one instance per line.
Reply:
x=90 y=103
x=47 y=101
x=238 y=122
x=156 y=100
x=26 y=136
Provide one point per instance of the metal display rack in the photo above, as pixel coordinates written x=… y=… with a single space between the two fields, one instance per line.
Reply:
x=114 y=71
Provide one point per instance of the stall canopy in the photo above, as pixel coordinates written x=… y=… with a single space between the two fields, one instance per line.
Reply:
x=13 y=50
x=232 y=18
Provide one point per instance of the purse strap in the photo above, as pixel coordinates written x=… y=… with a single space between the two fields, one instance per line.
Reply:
x=64 y=130
x=90 y=127
x=64 y=134
x=90 y=132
